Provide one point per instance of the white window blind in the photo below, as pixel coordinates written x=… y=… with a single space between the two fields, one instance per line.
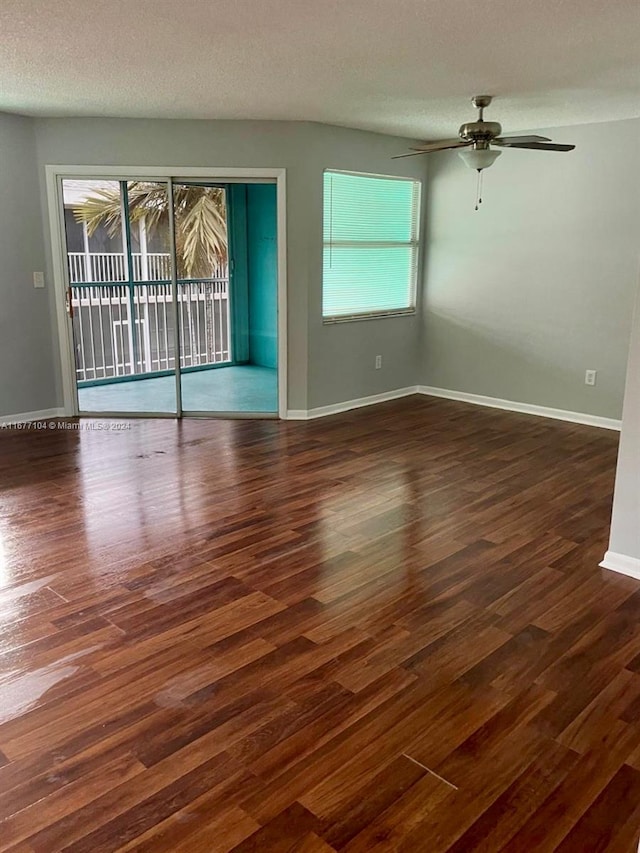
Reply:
x=371 y=227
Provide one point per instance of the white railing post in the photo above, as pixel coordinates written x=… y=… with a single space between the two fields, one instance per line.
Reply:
x=144 y=264
x=87 y=254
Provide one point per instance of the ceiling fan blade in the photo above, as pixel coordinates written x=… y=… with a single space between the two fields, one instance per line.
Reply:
x=429 y=147
x=411 y=154
x=539 y=146
x=514 y=140
x=441 y=144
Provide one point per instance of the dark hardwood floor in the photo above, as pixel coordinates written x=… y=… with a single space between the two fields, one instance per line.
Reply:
x=381 y=631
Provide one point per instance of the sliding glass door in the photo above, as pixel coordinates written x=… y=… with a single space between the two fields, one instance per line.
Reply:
x=172 y=296
x=204 y=297
x=226 y=252
x=120 y=295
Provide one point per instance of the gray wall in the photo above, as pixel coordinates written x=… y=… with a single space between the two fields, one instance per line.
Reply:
x=521 y=297
x=342 y=355
x=538 y=285
x=27 y=378
x=625 y=523
x=326 y=364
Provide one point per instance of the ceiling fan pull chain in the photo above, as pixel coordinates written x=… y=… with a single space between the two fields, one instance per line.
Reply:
x=479 y=189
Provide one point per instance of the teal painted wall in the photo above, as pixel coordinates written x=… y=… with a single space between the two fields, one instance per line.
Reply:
x=262 y=263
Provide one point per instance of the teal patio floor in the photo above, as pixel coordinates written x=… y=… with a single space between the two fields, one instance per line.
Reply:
x=242 y=388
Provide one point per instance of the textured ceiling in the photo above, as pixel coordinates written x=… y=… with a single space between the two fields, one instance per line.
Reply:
x=396 y=66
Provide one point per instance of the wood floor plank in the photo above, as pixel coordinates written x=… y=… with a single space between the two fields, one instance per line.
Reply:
x=291 y=758
x=64 y=803
x=125 y=811
x=500 y=821
x=381 y=631
x=197 y=828
x=371 y=800
x=595 y=830
x=565 y=806
x=390 y=829
x=290 y=830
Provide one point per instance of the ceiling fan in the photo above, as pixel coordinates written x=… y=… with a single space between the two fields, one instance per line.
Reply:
x=479 y=135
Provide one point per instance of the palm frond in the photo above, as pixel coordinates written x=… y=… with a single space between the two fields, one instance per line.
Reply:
x=200 y=220
x=149 y=202
x=205 y=236
x=104 y=207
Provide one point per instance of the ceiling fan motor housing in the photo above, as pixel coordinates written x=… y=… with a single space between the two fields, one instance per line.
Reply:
x=479 y=131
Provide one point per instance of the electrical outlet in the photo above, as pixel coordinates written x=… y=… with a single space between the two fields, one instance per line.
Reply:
x=378 y=362
x=590 y=377
x=38 y=279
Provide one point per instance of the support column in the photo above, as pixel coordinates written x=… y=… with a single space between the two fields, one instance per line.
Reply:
x=624 y=545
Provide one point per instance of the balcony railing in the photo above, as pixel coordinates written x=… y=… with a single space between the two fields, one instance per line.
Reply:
x=128 y=330
x=112 y=266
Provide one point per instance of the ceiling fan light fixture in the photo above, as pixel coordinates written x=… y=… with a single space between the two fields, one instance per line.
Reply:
x=479 y=158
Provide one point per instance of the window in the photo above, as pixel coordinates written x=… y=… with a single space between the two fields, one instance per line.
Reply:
x=370 y=262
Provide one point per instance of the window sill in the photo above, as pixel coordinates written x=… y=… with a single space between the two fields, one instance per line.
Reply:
x=381 y=315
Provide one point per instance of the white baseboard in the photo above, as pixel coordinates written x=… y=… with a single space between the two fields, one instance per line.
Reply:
x=523 y=408
x=461 y=396
x=29 y=417
x=622 y=564
x=360 y=402
x=347 y=405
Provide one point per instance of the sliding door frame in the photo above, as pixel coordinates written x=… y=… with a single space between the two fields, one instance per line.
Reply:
x=55 y=175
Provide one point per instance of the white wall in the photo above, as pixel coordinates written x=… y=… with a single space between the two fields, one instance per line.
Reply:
x=27 y=379
x=537 y=286
x=327 y=364
x=625 y=522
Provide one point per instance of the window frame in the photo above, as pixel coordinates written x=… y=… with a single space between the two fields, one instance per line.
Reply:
x=415 y=244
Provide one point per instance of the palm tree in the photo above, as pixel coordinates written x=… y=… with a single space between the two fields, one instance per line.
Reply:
x=199 y=213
